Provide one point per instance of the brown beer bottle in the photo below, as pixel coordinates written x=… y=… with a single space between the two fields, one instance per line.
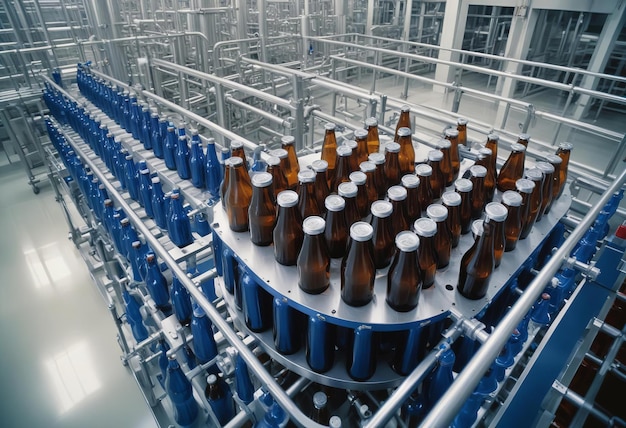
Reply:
x=236 y=150
x=354 y=155
x=437 y=179
x=373 y=140
x=426 y=229
x=425 y=192
x=342 y=170
x=475 y=270
x=378 y=159
x=492 y=144
x=479 y=193
x=513 y=224
x=321 y=183
x=348 y=192
x=523 y=139
x=369 y=169
x=293 y=167
x=392 y=165
x=307 y=200
x=497 y=213
x=452 y=201
x=413 y=208
x=464 y=188
x=262 y=211
x=452 y=135
x=329 y=148
x=443 y=240
x=320 y=409
x=513 y=168
x=564 y=151
x=336 y=232
x=397 y=196
x=404 y=280
x=525 y=188
x=477 y=231
x=362 y=202
x=536 y=176
x=278 y=175
x=238 y=195
x=288 y=234
x=546 y=191
x=283 y=155
x=446 y=163
x=404 y=121
x=360 y=136
x=556 y=162
x=407 y=152
x=484 y=159
x=357 y=267
x=313 y=262
x=382 y=237
x=461 y=127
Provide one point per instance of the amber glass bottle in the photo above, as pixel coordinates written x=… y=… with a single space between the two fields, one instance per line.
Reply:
x=373 y=140
x=382 y=240
x=369 y=169
x=536 y=176
x=497 y=213
x=313 y=262
x=357 y=267
x=437 y=179
x=348 y=191
x=484 y=159
x=426 y=229
x=464 y=187
x=446 y=162
x=354 y=156
x=236 y=150
x=320 y=167
x=425 y=192
x=397 y=196
x=342 y=170
x=479 y=193
x=523 y=139
x=492 y=144
x=238 y=195
x=477 y=231
x=513 y=224
x=477 y=265
x=362 y=202
x=452 y=201
x=293 y=167
x=307 y=200
x=283 y=155
x=404 y=121
x=443 y=240
x=378 y=159
x=546 y=192
x=453 y=136
x=513 y=168
x=413 y=208
x=525 y=188
x=288 y=234
x=404 y=280
x=392 y=165
x=278 y=175
x=461 y=127
x=336 y=232
x=564 y=151
x=407 y=152
x=262 y=212
x=329 y=148
x=360 y=136
x=556 y=162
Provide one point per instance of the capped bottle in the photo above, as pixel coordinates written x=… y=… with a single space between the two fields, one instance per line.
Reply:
x=293 y=167
x=513 y=223
x=523 y=139
x=169 y=148
x=181 y=394
x=321 y=183
x=464 y=187
x=197 y=163
x=178 y=225
x=407 y=152
x=437 y=179
x=380 y=181
x=288 y=234
x=262 y=211
x=314 y=261
x=392 y=168
x=564 y=152
x=546 y=192
x=536 y=176
x=484 y=159
x=181 y=301
x=492 y=144
x=220 y=401
x=336 y=231
x=452 y=201
x=212 y=171
x=279 y=181
x=413 y=208
x=362 y=201
x=404 y=121
x=426 y=229
x=238 y=195
x=354 y=157
x=382 y=235
x=525 y=188
x=237 y=150
x=204 y=344
x=513 y=168
x=342 y=169
x=461 y=127
x=369 y=169
x=399 y=221
x=373 y=140
x=360 y=136
x=157 y=285
x=404 y=280
x=477 y=263
x=182 y=158
x=454 y=136
x=556 y=162
x=320 y=408
x=479 y=193
x=425 y=192
x=307 y=201
x=357 y=267
x=446 y=163
x=145 y=191
x=443 y=239
x=497 y=214
x=329 y=149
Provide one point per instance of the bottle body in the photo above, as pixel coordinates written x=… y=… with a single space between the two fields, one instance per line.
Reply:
x=477 y=266
x=288 y=234
x=314 y=261
x=262 y=211
x=513 y=168
x=404 y=278
x=357 y=267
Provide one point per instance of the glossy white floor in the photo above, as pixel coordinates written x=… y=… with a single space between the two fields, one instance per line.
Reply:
x=59 y=359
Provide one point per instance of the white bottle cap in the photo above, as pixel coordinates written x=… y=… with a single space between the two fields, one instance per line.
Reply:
x=463 y=185
x=435 y=155
x=287 y=198
x=396 y=193
x=392 y=147
x=319 y=165
x=347 y=190
x=410 y=181
x=330 y=126
x=262 y=179
x=424 y=170
x=407 y=241
x=437 y=212
x=381 y=209
x=334 y=203
x=451 y=199
x=287 y=140
x=516 y=147
x=344 y=151
x=524 y=185
x=545 y=167
x=404 y=132
x=534 y=174
x=443 y=144
x=313 y=225
x=361 y=231
x=425 y=227
x=512 y=198
x=357 y=177
x=478 y=227
x=496 y=211
x=306 y=176
x=371 y=121
x=461 y=121
x=320 y=399
x=367 y=166
x=379 y=158
x=279 y=153
x=478 y=171
x=360 y=134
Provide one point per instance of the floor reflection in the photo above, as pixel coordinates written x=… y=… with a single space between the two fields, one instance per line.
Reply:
x=47 y=266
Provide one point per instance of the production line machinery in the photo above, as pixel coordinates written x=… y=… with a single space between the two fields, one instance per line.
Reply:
x=244 y=293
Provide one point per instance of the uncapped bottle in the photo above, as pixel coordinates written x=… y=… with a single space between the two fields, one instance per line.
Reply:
x=546 y=192
x=564 y=151
x=238 y=195
x=497 y=213
x=397 y=196
x=477 y=263
x=413 y=208
x=461 y=127
x=279 y=181
x=360 y=136
x=446 y=163
x=307 y=201
x=262 y=211
x=426 y=229
x=484 y=159
x=525 y=188
x=369 y=169
x=380 y=181
x=288 y=234
x=425 y=192
x=362 y=201
x=513 y=223
x=392 y=168
x=437 y=179
x=342 y=169
x=329 y=148
x=373 y=140
x=404 y=121
x=357 y=267
x=293 y=167
x=479 y=193
x=513 y=168
x=404 y=280
x=536 y=176
x=443 y=240
x=523 y=139
x=464 y=187
x=320 y=167
x=452 y=201
x=382 y=237
x=454 y=136
x=336 y=231
x=556 y=162
x=406 y=157
x=348 y=191
x=313 y=261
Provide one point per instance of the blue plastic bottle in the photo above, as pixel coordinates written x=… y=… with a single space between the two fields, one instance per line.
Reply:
x=220 y=400
x=158 y=204
x=145 y=191
x=146 y=138
x=131 y=183
x=274 y=418
x=441 y=378
x=182 y=158
x=133 y=316
x=213 y=171
x=155 y=136
x=128 y=236
x=169 y=148
x=181 y=301
x=163 y=348
x=178 y=225
x=138 y=261
x=134 y=118
x=157 y=285
x=203 y=340
x=179 y=390
x=243 y=384
x=197 y=162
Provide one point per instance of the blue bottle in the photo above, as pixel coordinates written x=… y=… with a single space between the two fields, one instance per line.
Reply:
x=213 y=171
x=158 y=204
x=121 y=175
x=162 y=349
x=220 y=400
x=145 y=191
x=126 y=112
x=467 y=416
x=116 y=230
x=414 y=410
x=505 y=360
x=208 y=289
x=540 y=313
x=96 y=199
x=128 y=236
x=203 y=340
x=285 y=327
x=138 y=261
x=157 y=285
x=178 y=225
x=488 y=383
x=190 y=358
x=133 y=316
x=107 y=216
x=155 y=136
x=361 y=363
x=274 y=418
x=243 y=383
x=197 y=162
x=408 y=351
x=146 y=138
x=134 y=118
x=258 y=164
x=320 y=344
x=163 y=124
x=201 y=224
x=170 y=148
x=257 y=304
x=225 y=154
x=441 y=378
x=131 y=183
x=179 y=390
x=181 y=301
x=182 y=158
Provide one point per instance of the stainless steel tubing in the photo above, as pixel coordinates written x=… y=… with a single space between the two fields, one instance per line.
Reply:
x=266 y=115
x=449 y=405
